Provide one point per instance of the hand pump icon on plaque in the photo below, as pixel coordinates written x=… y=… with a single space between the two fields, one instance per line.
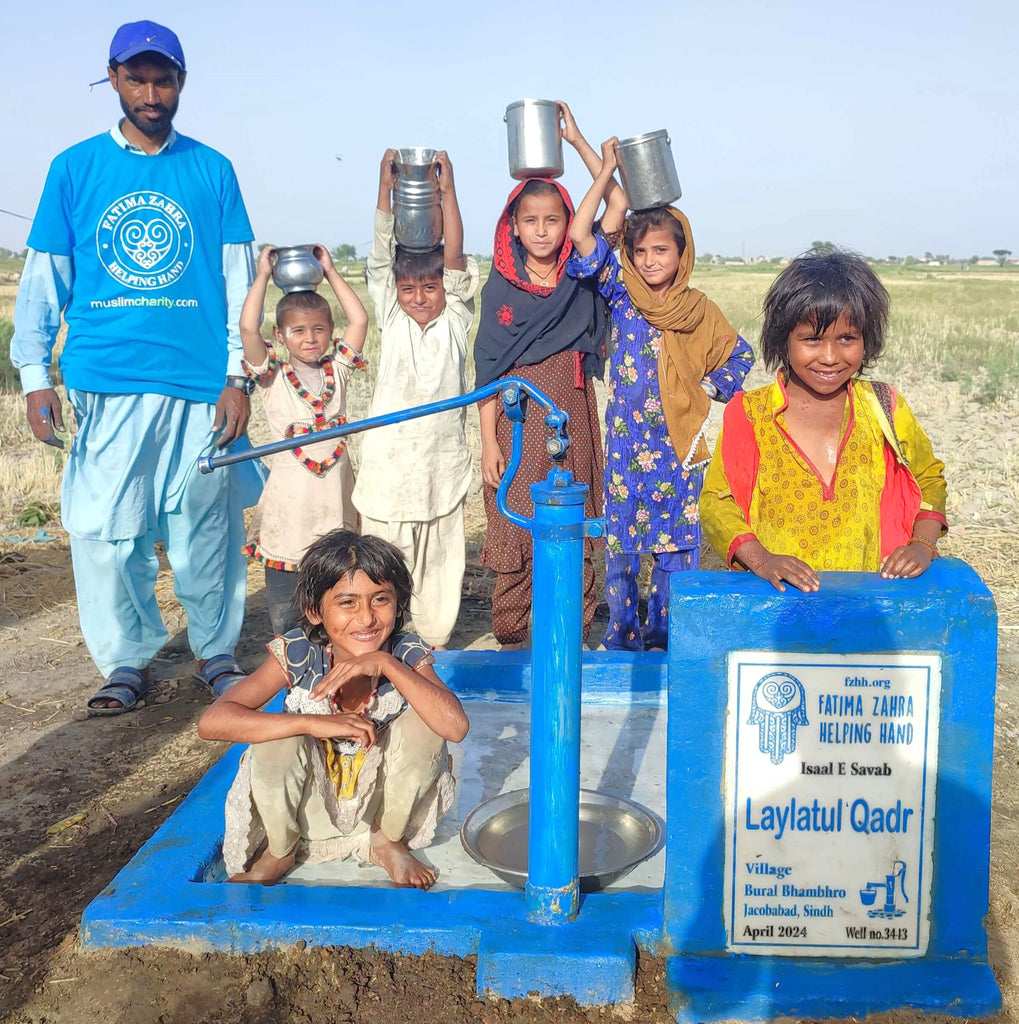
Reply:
x=868 y=893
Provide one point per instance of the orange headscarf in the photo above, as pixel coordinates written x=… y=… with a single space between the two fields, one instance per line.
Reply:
x=696 y=339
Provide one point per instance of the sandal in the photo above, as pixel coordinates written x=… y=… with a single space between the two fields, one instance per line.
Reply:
x=219 y=673
x=125 y=685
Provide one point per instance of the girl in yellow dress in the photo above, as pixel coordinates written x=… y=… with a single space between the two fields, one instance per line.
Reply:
x=822 y=470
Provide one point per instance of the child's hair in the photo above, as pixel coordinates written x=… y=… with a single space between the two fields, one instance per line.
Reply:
x=311 y=301
x=537 y=187
x=418 y=266
x=338 y=555
x=816 y=288
x=640 y=222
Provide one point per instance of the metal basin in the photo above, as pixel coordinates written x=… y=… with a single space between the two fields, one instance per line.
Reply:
x=615 y=836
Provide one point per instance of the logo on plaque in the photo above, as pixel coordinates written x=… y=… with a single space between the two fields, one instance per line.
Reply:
x=830 y=763
x=777 y=707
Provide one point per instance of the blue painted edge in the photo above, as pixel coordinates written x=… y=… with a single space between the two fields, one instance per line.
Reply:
x=608 y=677
x=705 y=989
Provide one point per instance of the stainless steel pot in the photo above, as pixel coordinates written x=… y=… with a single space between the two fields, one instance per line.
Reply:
x=296 y=269
x=534 y=139
x=416 y=203
x=648 y=170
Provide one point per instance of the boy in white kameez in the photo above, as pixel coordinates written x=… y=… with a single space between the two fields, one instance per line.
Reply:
x=414 y=475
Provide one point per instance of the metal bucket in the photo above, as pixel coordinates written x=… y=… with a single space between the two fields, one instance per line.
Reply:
x=648 y=170
x=534 y=139
x=296 y=269
x=417 y=206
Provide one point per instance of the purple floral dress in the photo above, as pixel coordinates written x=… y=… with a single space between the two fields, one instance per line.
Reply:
x=650 y=500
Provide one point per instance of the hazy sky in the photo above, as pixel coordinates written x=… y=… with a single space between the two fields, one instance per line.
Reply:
x=889 y=126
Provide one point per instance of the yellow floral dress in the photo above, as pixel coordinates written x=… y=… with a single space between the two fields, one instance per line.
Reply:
x=762 y=486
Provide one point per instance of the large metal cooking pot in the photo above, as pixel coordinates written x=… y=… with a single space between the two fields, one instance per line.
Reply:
x=534 y=139
x=648 y=170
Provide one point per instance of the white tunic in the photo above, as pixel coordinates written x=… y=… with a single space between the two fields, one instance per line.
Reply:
x=419 y=469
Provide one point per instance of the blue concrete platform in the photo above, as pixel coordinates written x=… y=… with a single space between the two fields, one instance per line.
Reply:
x=172 y=893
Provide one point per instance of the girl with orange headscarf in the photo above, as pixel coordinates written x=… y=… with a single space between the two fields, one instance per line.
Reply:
x=672 y=351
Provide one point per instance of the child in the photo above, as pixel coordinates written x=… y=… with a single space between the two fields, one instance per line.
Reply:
x=673 y=352
x=822 y=470
x=538 y=324
x=309 y=488
x=357 y=762
x=413 y=476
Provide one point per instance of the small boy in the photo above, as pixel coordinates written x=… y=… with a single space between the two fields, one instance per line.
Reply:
x=414 y=475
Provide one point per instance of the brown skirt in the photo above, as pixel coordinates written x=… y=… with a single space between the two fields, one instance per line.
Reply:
x=508 y=547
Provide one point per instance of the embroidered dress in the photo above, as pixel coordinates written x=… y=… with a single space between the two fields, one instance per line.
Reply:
x=343 y=775
x=650 y=499
x=760 y=485
x=309 y=489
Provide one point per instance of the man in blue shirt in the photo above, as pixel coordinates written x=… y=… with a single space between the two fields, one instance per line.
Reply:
x=141 y=239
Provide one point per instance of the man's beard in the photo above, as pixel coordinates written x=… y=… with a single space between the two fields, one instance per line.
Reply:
x=146 y=125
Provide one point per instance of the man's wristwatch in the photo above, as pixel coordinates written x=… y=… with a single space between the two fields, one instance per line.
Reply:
x=245 y=384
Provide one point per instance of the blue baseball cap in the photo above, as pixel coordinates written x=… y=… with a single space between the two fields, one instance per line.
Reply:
x=145 y=37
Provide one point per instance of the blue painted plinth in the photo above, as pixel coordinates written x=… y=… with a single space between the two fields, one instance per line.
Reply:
x=168 y=895
x=948 y=611
x=591 y=959
x=703 y=989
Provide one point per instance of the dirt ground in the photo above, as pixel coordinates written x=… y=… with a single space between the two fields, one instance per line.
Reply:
x=78 y=798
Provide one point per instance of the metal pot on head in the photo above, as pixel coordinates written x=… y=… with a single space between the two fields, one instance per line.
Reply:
x=417 y=206
x=648 y=170
x=296 y=269
x=534 y=139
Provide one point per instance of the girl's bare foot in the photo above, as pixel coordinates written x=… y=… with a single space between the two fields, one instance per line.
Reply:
x=401 y=865
x=266 y=870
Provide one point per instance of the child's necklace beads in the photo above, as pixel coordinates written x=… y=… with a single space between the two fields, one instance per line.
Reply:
x=318 y=407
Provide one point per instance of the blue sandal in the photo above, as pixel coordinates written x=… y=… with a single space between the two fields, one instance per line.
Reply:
x=125 y=685
x=219 y=673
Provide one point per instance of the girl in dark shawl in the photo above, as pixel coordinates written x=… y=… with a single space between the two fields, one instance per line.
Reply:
x=548 y=328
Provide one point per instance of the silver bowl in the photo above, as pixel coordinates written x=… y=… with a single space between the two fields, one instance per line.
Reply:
x=615 y=836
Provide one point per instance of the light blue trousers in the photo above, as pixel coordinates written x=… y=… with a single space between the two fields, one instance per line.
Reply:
x=132 y=480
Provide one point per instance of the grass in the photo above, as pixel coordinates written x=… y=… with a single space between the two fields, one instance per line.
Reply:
x=946 y=325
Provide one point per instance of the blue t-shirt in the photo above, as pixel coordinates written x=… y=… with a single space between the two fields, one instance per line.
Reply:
x=147 y=312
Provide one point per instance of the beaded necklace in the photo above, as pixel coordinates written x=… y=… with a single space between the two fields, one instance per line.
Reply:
x=317 y=404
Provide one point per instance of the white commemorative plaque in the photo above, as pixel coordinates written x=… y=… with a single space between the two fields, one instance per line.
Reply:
x=830 y=770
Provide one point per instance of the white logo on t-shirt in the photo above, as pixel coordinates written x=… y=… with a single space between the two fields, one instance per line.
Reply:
x=145 y=240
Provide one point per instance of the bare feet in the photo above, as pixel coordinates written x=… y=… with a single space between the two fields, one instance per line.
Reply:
x=266 y=870
x=401 y=865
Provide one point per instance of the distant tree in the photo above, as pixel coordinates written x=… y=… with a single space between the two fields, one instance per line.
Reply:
x=5 y=254
x=342 y=253
x=910 y=261
x=1001 y=255
x=817 y=244
x=23 y=255
x=974 y=260
x=705 y=257
x=892 y=259
x=943 y=257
